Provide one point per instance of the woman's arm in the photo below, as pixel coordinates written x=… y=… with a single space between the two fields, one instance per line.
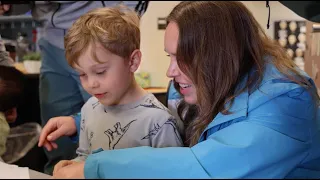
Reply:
x=270 y=143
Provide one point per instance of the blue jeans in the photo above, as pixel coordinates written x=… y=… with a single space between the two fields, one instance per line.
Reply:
x=61 y=94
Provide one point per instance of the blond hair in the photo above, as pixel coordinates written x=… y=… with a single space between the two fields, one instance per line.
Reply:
x=116 y=29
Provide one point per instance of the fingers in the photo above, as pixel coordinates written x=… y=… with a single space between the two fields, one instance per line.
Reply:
x=47 y=145
x=50 y=145
x=54 y=145
x=48 y=128
x=54 y=129
x=56 y=134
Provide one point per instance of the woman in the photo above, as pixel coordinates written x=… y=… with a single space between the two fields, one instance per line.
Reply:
x=248 y=111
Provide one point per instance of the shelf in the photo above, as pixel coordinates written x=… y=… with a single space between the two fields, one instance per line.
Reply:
x=17 y=18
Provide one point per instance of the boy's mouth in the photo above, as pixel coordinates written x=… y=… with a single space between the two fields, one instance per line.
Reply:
x=99 y=96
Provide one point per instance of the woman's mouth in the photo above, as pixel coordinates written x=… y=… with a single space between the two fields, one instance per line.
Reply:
x=185 y=88
x=184 y=85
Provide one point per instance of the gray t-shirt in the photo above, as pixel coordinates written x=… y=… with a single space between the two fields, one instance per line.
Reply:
x=146 y=122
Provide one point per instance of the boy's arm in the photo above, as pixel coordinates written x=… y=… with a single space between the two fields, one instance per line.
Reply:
x=77 y=120
x=167 y=134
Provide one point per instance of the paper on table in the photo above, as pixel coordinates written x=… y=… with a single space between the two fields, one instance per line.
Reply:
x=8 y=171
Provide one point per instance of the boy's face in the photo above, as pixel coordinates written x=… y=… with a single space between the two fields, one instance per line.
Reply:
x=110 y=81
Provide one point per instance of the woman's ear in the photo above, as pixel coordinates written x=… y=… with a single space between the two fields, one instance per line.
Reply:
x=135 y=60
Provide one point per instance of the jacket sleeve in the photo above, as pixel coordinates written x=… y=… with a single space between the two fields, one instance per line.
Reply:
x=77 y=120
x=260 y=146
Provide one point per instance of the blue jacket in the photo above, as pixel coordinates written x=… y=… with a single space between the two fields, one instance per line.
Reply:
x=272 y=133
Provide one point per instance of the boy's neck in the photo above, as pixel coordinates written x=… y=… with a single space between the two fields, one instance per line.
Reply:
x=134 y=93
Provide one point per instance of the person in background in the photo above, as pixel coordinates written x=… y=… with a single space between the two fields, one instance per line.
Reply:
x=249 y=111
x=11 y=91
x=60 y=90
x=120 y=114
x=5 y=59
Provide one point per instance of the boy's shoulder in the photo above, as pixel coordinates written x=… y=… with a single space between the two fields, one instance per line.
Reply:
x=154 y=111
x=150 y=101
x=152 y=105
x=91 y=104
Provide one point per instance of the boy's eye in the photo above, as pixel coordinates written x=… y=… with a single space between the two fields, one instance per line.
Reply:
x=101 y=72
x=81 y=75
x=168 y=55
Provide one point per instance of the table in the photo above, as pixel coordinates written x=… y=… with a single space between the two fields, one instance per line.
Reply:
x=38 y=175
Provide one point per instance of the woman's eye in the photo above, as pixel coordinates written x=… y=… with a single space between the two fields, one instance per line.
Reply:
x=168 y=55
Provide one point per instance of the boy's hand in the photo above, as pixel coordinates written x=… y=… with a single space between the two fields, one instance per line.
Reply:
x=55 y=128
x=60 y=165
x=72 y=171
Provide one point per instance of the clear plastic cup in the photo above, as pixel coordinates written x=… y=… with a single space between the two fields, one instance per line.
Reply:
x=20 y=141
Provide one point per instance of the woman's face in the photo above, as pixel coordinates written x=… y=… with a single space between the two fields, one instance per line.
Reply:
x=187 y=88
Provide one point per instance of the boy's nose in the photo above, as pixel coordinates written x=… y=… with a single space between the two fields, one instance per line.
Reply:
x=93 y=83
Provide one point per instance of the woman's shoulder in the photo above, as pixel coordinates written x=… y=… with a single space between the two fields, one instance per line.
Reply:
x=284 y=105
x=275 y=84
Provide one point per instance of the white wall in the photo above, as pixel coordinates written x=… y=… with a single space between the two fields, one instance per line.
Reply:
x=154 y=59
x=278 y=12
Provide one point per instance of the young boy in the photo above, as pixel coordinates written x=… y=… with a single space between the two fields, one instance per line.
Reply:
x=11 y=90
x=103 y=46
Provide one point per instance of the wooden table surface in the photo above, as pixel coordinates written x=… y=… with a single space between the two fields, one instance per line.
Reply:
x=38 y=175
x=20 y=67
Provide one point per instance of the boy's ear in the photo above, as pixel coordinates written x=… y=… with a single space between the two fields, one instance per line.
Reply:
x=11 y=115
x=135 y=60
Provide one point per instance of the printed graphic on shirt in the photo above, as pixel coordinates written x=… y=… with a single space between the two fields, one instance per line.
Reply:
x=149 y=103
x=171 y=122
x=117 y=134
x=153 y=132
x=90 y=138
x=82 y=125
x=94 y=105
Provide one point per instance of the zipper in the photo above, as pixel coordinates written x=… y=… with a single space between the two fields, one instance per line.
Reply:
x=54 y=14
x=103 y=4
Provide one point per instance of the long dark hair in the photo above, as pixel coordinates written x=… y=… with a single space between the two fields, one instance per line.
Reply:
x=12 y=83
x=219 y=43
